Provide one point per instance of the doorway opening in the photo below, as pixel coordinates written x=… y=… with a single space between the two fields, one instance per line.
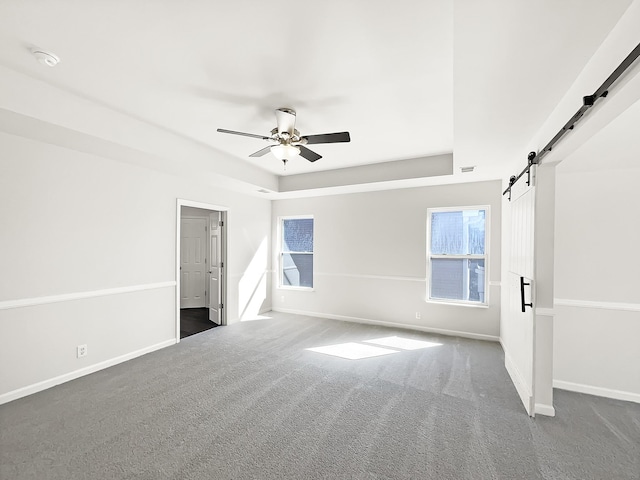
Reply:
x=200 y=267
x=194 y=320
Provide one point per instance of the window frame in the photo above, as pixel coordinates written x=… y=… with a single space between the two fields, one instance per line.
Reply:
x=485 y=257
x=281 y=220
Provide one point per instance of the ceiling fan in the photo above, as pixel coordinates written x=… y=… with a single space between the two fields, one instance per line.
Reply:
x=287 y=143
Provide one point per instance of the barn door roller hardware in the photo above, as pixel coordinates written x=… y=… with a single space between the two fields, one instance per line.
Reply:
x=587 y=102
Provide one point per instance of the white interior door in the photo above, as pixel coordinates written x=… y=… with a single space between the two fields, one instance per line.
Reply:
x=215 y=272
x=518 y=329
x=193 y=268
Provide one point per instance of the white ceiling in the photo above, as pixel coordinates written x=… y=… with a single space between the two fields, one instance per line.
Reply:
x=614 y=147
x=408 y=79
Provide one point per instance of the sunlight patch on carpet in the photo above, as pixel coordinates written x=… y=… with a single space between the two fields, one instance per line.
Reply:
x=402 y=343
x=352 y=350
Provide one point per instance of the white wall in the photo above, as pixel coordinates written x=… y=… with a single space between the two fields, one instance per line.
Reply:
x=597 y=272
x=597 y=277
x=87 y=255
x=370 y=258
x=195 y=212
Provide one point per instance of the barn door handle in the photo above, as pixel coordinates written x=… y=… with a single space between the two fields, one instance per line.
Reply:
x=522 y=284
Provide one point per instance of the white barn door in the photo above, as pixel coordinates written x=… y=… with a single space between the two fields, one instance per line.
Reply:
x=518 y=328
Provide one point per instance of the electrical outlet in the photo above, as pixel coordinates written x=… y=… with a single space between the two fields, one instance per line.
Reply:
x=82 y=351
x=417 y=315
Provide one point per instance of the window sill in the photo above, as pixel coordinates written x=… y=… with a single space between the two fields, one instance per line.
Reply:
x=303 y=289
x=454 y=303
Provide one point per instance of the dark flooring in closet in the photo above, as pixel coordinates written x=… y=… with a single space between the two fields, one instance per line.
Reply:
x=194 y=320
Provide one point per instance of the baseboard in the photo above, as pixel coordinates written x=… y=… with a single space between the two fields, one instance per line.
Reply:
x=597 y=391
x=524 y=391
x=52 y=382
x=543 y=409
x=344 y=318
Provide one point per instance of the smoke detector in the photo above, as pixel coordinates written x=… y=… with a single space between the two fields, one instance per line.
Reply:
x=46 y=58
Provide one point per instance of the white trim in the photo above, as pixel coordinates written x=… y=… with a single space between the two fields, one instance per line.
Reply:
x=598 y=391
x=461 y=256
x=52 y=382
x=628 y=307
x=457 y=303
x=66 y=297
x=387 y=277
x=544 y=409
x=296 y=217
x=453 y=333
x=524 y=391
x=545 y=312
x=373 y=277
x=298 y=289
x=205 y=206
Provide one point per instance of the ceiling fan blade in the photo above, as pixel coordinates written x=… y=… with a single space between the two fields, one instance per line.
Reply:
x=328 y=138
x=261 y=152
x=261 y=137
x=309 y=154
x=286 y=119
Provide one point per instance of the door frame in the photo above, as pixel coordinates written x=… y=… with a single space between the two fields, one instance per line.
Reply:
x=181 y=202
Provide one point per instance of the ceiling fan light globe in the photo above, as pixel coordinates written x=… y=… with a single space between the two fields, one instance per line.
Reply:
x=285 y=152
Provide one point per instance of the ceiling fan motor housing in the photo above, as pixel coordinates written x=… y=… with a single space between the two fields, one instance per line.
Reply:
x=286 y=138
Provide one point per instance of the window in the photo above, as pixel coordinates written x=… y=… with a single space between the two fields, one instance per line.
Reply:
x=457 y=254
x=296 y=252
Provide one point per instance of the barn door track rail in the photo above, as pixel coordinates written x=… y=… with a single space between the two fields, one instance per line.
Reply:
x=587 y=102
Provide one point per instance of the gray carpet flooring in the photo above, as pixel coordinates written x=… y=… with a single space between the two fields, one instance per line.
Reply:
x=249 y=401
